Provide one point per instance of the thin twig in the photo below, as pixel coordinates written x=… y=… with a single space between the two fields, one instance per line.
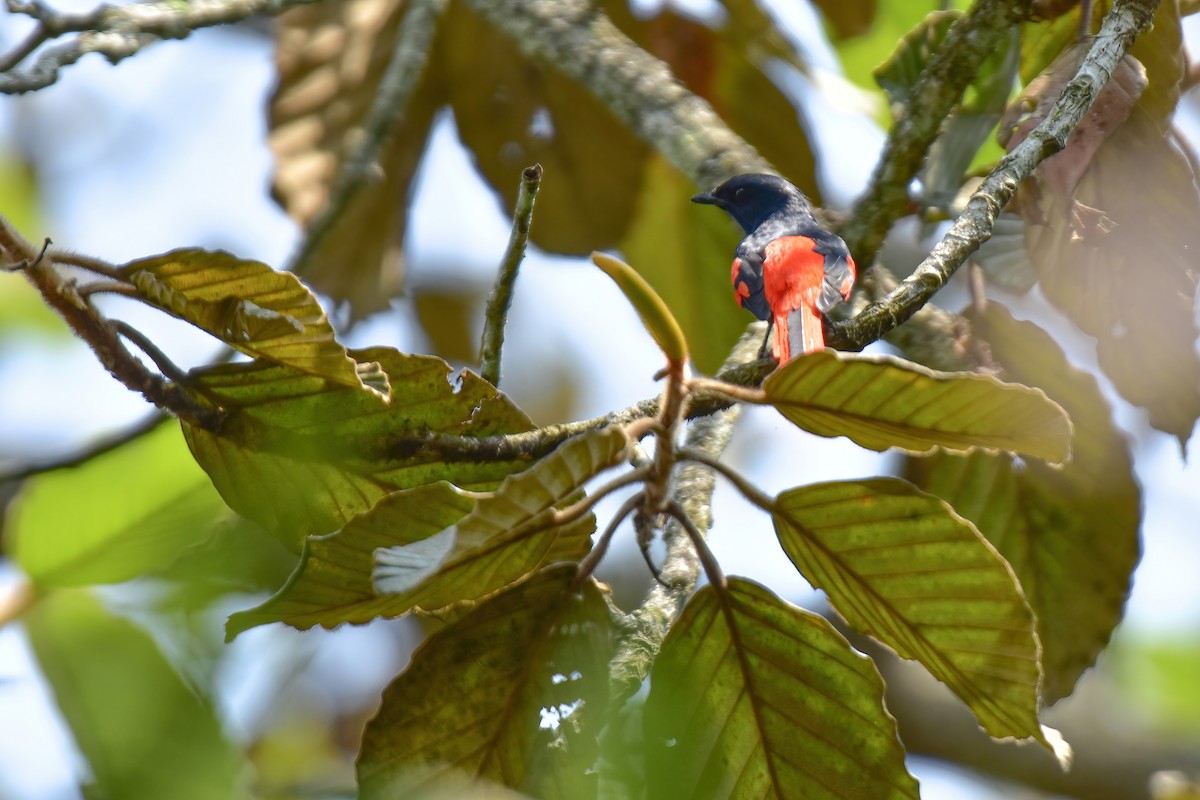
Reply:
x=589 y=563
x=692 y=491
x=90 y=263
x=98 y=448
x=496 y=317
x=165 y=365
x=973 y=227
x=114 y=31
x=565 y=516
x=748 y=490
x=387 y=111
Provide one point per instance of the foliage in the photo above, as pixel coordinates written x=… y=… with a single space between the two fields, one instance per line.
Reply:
x=388 y=484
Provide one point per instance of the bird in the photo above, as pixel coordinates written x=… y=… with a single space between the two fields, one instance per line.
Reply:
x=788 y=270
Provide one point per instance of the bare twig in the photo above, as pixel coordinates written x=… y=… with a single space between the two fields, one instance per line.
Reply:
x=496 y=316
x=388 y=108
x=588 y=565
x=114 y=31
x=973 y=227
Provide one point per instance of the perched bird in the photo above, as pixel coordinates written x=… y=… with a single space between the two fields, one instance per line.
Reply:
x=788 y=270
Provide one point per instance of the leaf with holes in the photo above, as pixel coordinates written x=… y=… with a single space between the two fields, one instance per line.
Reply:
x=261 y=312
x=302 y=457
x=537 y=651
x=753 y=697
x=901 y=566
x=506 y=536
x=881 y=402
x=1070 y=534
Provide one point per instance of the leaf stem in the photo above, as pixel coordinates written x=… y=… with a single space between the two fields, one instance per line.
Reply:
x=496 y=316
x=748 y=490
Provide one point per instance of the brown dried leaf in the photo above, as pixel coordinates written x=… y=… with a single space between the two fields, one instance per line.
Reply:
x=330 y=59
x=1061 y=172
x=1118 y=258
x=512 y=112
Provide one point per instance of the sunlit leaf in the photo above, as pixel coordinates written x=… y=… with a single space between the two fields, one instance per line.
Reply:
x=753 y=697
x=904 y=67
x=129 y=512
x=249 y=306
x=506 y=536
x=330 y=58
x=144 y=732
x=473 y=704
x=332 y=584
x=901 y=566
x=881 y=402
x=1070 y=534
x=301 y=457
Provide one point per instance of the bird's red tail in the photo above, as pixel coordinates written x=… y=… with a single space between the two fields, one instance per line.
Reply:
x=797 y=332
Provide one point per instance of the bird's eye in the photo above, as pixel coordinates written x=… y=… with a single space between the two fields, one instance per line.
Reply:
x=739 y=194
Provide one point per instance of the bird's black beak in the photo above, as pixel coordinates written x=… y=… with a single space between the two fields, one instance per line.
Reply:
x=706 y=198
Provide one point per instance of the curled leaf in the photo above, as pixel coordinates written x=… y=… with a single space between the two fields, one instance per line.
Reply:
x=655 y=315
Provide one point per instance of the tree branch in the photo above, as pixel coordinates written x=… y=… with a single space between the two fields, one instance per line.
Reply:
x=951 y=69
x=496 y=316
x=578 y=39
x=116 y=32
x=973 y=227
x=694 y=484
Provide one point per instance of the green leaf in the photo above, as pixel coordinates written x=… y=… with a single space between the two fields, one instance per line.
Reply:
x=881 y=402
x=506 y=536
x=144 y=732
x=860 y=55
x=535 y=652
x=753 y=697
x=693 y=274
x=655 y=315
x=904 y=67
x=332 y=584
x=1047 y=522
x=301 y=456
x=249 y=306
x=129 y=512
x=901 y=566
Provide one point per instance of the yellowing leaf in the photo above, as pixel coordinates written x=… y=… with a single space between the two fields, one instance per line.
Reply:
x=126 y=513
x=881 y=402
x=899 y=565
x=506 y=536
x=302 y=457
x=144 y=732
x=1070 y=534
x=467 y=709
x=753 y=697
x=249 y=306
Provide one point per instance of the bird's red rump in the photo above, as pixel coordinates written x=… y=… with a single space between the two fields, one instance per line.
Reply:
x=793 y=275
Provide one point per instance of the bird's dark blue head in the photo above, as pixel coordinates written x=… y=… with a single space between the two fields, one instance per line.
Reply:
x=752 y=197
